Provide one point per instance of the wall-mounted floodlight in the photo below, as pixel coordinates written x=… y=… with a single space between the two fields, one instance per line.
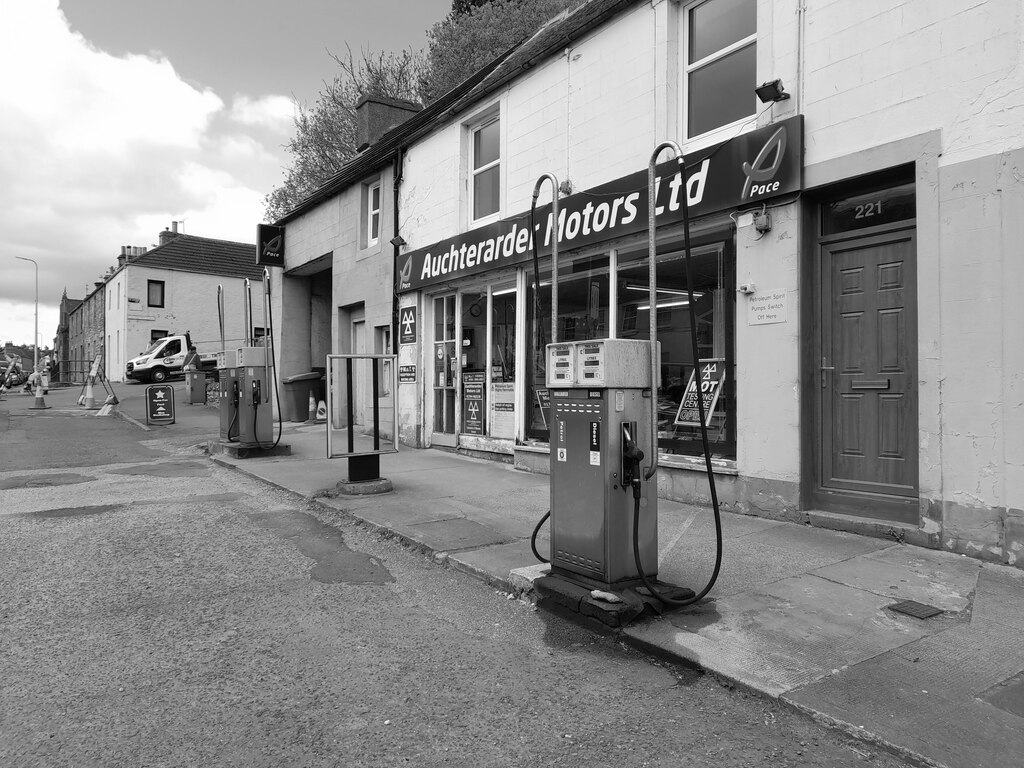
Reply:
x=398 y=240
x=771 y=91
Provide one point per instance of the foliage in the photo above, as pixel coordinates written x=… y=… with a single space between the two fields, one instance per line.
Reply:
x=325 y=133
x=472 y=35
x=461 y=44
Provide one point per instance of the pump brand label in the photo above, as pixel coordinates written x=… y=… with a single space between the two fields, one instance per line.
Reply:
x=560 y=452
x=595 y=443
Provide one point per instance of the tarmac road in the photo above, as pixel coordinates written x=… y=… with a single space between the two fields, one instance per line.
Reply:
x=160 y=610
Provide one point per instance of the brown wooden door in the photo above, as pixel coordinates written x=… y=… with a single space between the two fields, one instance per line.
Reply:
x=867 y=409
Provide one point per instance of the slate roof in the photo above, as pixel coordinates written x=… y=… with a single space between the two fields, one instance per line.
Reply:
x=549 y=40
x=203 y=255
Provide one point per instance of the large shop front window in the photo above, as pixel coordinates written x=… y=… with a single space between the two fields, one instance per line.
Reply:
x=584 y=313
x=720 y=64
x=714 y=305
x=583 y=304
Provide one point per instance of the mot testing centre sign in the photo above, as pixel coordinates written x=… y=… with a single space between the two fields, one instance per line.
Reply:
x=160 y=404
x=712 y=377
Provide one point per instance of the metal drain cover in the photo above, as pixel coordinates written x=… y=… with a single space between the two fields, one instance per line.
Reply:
x=915 y=609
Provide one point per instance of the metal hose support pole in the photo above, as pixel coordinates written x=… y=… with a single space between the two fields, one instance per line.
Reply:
x=554 y=247
x=267 y=330
x=652 y=277
x=220 y=314
x=246 y=312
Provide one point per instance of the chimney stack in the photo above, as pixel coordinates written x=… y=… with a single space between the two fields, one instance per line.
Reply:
x=169 y=234
x=376 y=115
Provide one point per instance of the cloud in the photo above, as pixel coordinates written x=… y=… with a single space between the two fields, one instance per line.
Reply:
x=274 y=112
x=99 y=151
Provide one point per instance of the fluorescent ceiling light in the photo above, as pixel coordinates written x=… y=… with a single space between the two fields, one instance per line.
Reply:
x=503 y=291
x=665 y=305
x=670 y=291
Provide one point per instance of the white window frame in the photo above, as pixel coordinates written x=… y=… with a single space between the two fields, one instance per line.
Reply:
x=716 y=134
x=372 y=212
x=494 y=117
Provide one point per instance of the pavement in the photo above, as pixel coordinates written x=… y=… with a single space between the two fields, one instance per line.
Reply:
x=799 y=614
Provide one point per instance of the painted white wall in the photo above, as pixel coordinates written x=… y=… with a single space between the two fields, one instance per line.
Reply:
x=190 y=304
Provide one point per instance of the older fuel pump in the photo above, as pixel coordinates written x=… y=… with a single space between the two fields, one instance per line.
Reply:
x=246 y=387
x=227 y=376
x=604 y=498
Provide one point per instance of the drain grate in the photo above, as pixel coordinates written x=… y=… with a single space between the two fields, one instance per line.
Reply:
x=915 y=609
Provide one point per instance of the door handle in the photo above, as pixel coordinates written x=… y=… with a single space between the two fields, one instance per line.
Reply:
x=870 y=384
x=823 y=369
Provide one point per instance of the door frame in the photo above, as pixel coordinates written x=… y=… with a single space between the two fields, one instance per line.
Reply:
x=897 y=509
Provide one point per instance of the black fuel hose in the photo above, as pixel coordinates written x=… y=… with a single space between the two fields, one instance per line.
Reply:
x=533 y=538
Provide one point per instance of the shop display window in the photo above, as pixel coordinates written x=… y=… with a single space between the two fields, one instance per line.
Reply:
x=583 y=303
x=714 y=302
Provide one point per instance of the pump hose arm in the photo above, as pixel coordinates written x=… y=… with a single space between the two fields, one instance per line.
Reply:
x=269 y=361
x=536 y=294
x=695 y=351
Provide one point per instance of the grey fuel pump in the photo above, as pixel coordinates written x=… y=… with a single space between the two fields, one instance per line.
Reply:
x=603 y=414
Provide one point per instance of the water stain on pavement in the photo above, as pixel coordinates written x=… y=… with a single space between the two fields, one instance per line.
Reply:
x=168 y=469
x=43 y=481
x=335 y=561
x=203 y=499
x=97 y=509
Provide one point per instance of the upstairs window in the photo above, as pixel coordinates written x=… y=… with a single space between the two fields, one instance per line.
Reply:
x=373 y=214
x=486 y=165
x=721 y=64
x=155 y=293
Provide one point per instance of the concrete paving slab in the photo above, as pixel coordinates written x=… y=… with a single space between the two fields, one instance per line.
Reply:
x=901 y=572
x=496 y=562
x=999 y=597
x=966 y=659
x=452 y=535
x=392 y=511
x=888 y=699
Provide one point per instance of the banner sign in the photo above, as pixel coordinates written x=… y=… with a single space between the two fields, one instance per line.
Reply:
x=269 y=245
x=751 y=168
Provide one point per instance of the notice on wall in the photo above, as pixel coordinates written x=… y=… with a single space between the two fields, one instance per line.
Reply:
x=407 y=374
x=766 y=307
x=503 y=410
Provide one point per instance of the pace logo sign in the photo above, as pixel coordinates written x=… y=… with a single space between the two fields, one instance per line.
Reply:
x=269 y=245
x=754 y=167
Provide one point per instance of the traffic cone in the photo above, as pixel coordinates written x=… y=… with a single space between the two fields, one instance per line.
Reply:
x=311 y=411
x=40 y=404
x=90 y=400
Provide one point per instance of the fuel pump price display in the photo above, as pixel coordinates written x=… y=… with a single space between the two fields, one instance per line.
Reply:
x=712 y=377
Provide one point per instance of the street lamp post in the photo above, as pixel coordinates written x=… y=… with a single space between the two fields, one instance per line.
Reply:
x=35 y=339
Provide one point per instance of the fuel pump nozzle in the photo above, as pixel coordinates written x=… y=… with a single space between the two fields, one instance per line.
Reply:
x=632 y=457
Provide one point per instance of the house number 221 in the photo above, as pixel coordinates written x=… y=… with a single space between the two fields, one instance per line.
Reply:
x=868 y=209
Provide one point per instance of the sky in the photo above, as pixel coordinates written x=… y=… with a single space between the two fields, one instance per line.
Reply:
x=121 y=116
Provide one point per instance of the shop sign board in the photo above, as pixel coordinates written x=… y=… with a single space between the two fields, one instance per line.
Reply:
x=712 y=377
x=407 y=325
x=159 y=404
x=749 y=169
x=407 y=374
x=473 y=403
x=269 y=245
